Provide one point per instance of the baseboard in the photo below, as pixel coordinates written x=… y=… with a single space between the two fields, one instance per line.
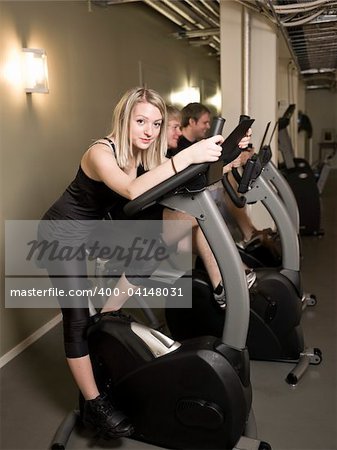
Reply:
x=15 y=351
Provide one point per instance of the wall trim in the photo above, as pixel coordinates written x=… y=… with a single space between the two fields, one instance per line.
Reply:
x=15 y=351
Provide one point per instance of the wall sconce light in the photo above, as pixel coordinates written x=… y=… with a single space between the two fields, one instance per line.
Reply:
x=215 y=101
x=188 y=95
x=35 y=70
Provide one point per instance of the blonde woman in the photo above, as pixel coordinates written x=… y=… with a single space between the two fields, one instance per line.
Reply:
x=115 y=169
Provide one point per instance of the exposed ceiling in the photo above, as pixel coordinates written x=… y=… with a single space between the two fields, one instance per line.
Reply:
x=309 y=28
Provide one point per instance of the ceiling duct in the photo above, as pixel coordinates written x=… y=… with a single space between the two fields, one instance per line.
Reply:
x=311 y=29
x=199 y=20
x=308 y=26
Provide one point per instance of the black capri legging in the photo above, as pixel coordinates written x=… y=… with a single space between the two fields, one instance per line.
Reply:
x=71 y=277
x=75 y=308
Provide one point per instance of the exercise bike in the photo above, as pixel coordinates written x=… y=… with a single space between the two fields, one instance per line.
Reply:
x=256 y=252
x=273 y=176
x=301 y=179
x=254 y=255
x=194 y=394
x=275 y=333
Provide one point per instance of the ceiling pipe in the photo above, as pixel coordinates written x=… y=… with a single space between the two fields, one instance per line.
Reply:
x=203 y=12
x=168 y=13
x=111 y=2
x=324 y=19
x=187 y=13
x=285 y=36
x=304 y=6
x=303 y=21
x=315 y=48
x=246 y=35
x=212 y=8
x=179 y=13
x=312 y=38
x=197 y=33
x=313 y=31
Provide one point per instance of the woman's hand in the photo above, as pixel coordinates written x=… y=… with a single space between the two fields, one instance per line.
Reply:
x=206 y=150
x=227 y=168
x=246 y=139
x=237 y=162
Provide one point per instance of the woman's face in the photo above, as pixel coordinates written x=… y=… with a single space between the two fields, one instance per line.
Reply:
x=145 y=125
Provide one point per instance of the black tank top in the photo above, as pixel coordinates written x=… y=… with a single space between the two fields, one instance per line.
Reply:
x=71 y=219
x=84 y=199
x=87 y=199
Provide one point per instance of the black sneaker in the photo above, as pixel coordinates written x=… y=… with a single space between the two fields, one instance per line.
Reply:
x=108 y=422
x=119 y=314
x=219 y=294
x=250 y=277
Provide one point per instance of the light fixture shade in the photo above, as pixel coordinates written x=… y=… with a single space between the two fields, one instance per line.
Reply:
x=35 y=70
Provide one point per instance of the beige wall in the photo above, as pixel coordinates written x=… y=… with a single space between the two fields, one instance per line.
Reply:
x=321 y=108
x=263 y=95
x=260 y=84
x=262 y=78
x=287 y=87
x=291 y=89
x=93 y=57
x=231 y=62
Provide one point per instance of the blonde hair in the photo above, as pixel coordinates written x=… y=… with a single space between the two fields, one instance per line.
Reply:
x=173 y=113
x=120 y=131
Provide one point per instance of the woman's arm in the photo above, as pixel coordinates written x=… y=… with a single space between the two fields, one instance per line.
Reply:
x=100 y=164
